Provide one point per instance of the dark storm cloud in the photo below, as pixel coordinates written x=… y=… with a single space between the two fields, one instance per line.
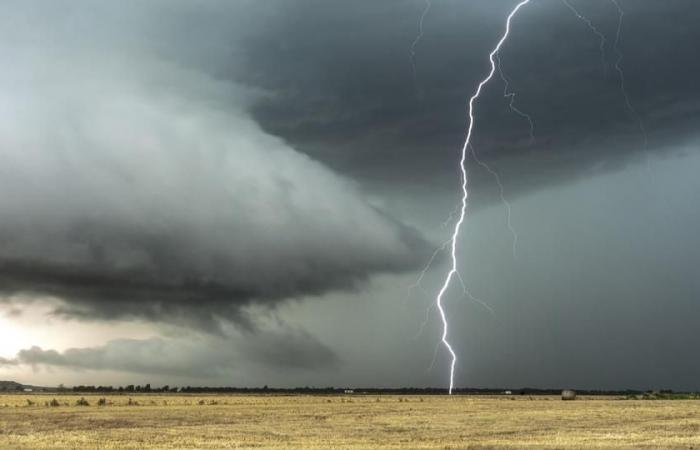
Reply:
x=338 y=84
x=185 y=161
x=340 y=73
x=135 y=185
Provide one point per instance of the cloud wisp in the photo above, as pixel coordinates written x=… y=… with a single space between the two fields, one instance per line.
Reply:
x=196 y=356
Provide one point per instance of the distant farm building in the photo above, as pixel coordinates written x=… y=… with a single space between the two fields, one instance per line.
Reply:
x=349 y=391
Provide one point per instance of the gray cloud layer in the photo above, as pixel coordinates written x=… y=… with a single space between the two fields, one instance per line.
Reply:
x=134 y=187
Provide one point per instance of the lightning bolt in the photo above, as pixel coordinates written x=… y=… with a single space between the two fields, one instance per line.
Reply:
x=467 y=293
x=511 y=104
x=465 y=193
x=510 y=95
x=593 y=28
x=623 y=88
x=618 y=66
x=502 y=194
x=450 y=217
x=426 y=10
x=417 y=284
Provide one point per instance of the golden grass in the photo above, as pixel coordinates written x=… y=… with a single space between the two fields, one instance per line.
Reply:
x=352 y=422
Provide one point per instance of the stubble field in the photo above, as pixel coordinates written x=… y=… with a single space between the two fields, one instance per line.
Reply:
x=352 y=422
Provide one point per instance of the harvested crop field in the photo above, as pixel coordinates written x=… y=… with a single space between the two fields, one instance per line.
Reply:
x=352 y=421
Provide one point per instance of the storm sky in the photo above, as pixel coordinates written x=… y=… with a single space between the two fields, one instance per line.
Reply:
x=244 y=193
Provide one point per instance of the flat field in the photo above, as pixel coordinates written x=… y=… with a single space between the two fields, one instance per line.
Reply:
x=351 y=421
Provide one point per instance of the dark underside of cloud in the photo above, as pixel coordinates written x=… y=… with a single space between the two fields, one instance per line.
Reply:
x=128 y=205
x=186 y=294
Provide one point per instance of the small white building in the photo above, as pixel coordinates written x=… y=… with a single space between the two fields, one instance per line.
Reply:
x=349 y=391
x=27 y=390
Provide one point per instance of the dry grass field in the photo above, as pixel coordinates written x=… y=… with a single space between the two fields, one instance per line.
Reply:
x=353 y=422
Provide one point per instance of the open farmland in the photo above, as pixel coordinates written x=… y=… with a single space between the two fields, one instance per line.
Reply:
x=359 y=422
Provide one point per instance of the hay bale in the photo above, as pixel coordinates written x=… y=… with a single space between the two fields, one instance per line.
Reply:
x=568 y=394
